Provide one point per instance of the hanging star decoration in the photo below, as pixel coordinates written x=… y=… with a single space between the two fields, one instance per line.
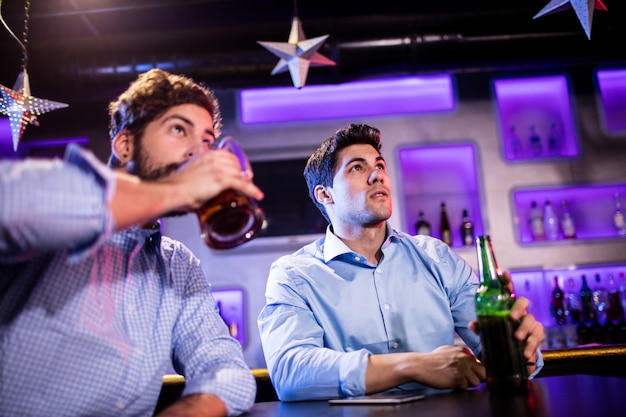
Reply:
x=17 y=103
x=298 y=54
x=583 y=8
x=22 y=108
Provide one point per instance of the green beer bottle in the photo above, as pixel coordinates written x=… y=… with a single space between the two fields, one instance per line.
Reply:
x=502 y=354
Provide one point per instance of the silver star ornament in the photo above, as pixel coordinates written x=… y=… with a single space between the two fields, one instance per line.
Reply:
x=22 y=108
x=583 y=8
x=298 y=54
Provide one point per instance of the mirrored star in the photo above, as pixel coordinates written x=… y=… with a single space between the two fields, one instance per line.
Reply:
x=298 y=54
x=583 y=8
x=22 y=108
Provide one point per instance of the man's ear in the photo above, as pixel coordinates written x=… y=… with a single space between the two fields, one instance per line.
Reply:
x=122 y=146
x=322 y=195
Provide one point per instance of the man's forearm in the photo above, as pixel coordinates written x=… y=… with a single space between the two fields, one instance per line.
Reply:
x=196 y=405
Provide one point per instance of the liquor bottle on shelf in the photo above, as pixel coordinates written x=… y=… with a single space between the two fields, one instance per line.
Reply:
x=502 y=353
x=614 y=313
x=467 y=230
x=536 y=222
x=621 y=284
x=516 y=143
x=600 y=300
x=618 y=216
x=588 y=318
x=534 y=141
x=600 y=304
x=558 y=305
x=444 y=226
x=422 y=227
x=572 y=302
x=554 y=141
x=550 y=222
x=567 y=222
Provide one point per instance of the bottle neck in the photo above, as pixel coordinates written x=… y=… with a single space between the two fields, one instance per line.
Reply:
x=488 y=270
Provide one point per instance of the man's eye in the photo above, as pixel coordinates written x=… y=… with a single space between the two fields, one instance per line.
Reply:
x=178 y=129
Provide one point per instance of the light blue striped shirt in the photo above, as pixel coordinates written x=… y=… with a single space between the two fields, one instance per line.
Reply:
x=91 y=320
x=328 y=309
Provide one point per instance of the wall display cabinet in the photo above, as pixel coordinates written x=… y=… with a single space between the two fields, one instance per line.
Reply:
x=434 y=174
x=611 y=86
x=535 y=118
x=592 y=209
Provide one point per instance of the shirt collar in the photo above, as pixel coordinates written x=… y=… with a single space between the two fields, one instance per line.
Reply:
x=334 y=247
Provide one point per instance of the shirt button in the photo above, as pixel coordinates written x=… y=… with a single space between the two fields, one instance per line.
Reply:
x=139 y=352
x=356 y=258
x=120 y=404
x=130 y=308
x=378 y=271
x=386 y=307
x=395 y=345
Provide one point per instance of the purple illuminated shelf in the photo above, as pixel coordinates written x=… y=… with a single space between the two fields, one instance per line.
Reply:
x=612 y=89
x=231 y=305
x=537 y=285
x=539 y=104
x=434 y=93
x=432 y=174
x=592 y=208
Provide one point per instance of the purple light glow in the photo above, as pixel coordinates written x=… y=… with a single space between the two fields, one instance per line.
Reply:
x=592 y=209
x=432 y=174
x=539 y=102
x=6 y=139
x=357 y=99
x=612 y=86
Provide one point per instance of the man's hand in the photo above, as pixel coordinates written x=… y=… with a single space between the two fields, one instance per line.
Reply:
x=530 y=331
x=207 y=174
x=453 y=367
x=445 y=367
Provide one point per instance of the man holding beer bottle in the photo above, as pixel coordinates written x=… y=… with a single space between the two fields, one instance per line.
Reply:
x=367 y=308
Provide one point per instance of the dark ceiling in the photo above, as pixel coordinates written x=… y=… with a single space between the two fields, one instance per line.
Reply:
x=83 y=51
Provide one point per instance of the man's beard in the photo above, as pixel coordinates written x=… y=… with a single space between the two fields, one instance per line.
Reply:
x=147 y=170
x=144 y=168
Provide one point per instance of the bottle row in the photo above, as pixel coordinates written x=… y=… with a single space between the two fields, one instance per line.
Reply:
x=545 y=223
x=595 y=309
x=534 y=145
x=422 y=227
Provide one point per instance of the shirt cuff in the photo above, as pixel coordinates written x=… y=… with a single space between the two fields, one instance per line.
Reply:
x=88 y=163
x=352 y=372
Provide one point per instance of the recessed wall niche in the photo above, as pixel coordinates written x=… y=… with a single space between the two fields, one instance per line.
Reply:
x=431 y=175
x=592 y=208
x=612 y=99
x=535 y=118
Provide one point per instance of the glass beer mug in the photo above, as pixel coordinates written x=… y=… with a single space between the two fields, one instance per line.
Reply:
x=231 y=218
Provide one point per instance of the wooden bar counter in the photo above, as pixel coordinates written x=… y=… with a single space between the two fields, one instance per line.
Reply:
x=582 y=381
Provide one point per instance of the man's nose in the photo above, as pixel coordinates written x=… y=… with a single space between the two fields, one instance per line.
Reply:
x=375 y=176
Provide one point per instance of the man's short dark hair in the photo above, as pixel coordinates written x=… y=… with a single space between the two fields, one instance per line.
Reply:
x=322 y=165
x=152 y=94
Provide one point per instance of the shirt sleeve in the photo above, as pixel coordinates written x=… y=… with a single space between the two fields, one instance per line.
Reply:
x=300 y=366
x=205 y=353
x=49 y=205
